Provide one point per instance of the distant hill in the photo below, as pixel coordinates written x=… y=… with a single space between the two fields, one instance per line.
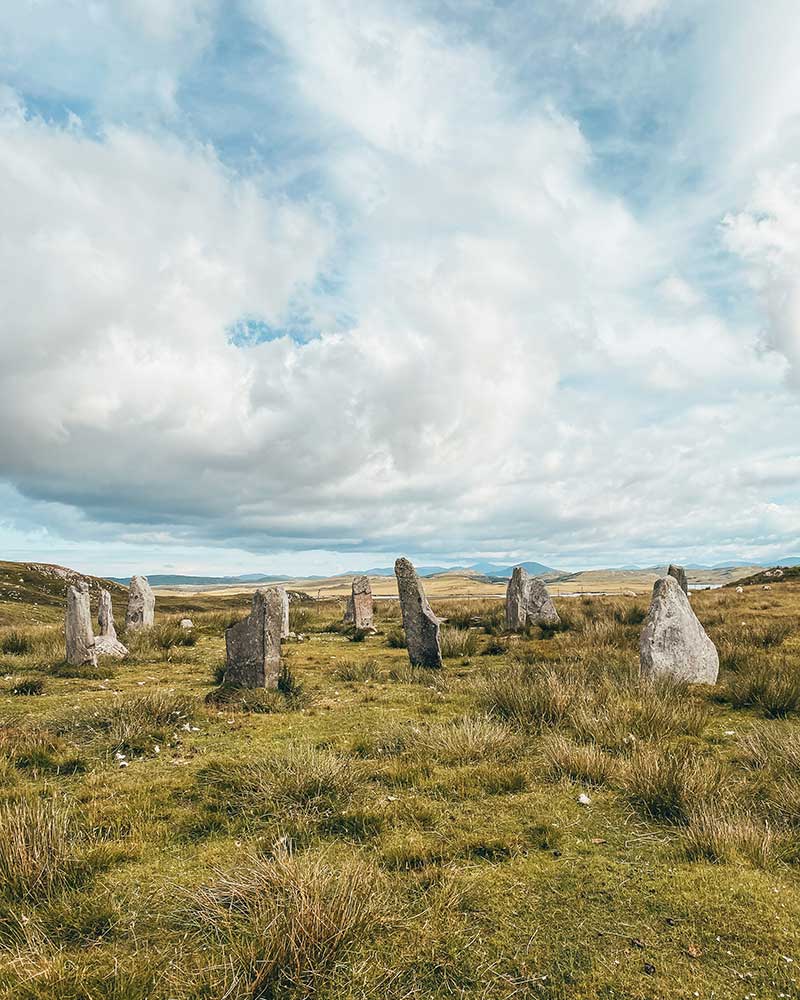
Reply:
x=790 y=572
x=43 y=586
x=176 y=580
x=487 y=569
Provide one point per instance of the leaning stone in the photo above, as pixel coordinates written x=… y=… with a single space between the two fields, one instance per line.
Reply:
x=105 y=615
x=673 y=642
x=78 y=627
x=253 y=646
x=106 y=645
x=420 y=623
x=527 y=602
x=186 y=623
x=359 y=604
x=141 y=604
x=679 y=573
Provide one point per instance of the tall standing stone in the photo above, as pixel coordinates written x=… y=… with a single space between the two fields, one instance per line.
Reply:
x=679 y=573
x=527 y=602
x=105 y=615
x=359 y=603
x=107 y=643
x=253 y=646
x=284 y=612
x=141 y=604
x=78 y=627
x=673 y=642
x=419 y=622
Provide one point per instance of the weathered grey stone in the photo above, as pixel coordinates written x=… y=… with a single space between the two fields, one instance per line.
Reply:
x=105 y=615
x=78 y=627
x=141 y=604
x=284 y=612
x=253 y=646
x=527 y=602
x=106 y=645
x=420 y=623
x=359 y=604
x=186 y=623
x=679 y=573
x=673 y=642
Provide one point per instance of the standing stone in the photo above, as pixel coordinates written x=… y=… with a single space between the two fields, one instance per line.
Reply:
x=527 y=602
x=107 y=643
x=420 y=623
x=253 y=646
x=105 y=615
x=359 y=604
x=673 y=642
x=78 y=627
x=141 y=604
x=284 y=612
x=680 y=575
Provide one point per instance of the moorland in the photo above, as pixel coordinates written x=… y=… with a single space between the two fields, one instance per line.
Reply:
x=531 y=821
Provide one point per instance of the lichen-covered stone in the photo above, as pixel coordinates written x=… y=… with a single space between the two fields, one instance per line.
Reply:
x=78 y=627
x=673 y=643
x=527 y=602
x=419 y=622
x=253 y=646
x=359 y=604
x=141 y=604
x=679 y=573
x=105 y=645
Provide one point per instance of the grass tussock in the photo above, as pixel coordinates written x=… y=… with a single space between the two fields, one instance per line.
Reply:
x=282 y=925
x=133 y=723
x=772 y=686
x=27 y=686
x=353 y=670
x=16 y=644
x=585 y=763
x=668 y=785
x=37 y=849
x=720 y=836
x=457 y=642
x=301 y=778
x=467 y=740
x=396 y=638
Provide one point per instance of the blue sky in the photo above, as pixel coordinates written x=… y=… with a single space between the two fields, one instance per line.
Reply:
x=300 y=286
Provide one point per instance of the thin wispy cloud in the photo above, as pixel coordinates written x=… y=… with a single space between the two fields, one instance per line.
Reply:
x=291 y=284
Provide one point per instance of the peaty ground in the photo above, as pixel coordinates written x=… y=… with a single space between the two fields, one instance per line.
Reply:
x=380 y=832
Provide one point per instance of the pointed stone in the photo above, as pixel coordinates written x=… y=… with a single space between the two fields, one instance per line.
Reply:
x=78 y=627
x=359 y=604
x=673 y=642
x=105 y=615
x=141 y=604
x=527 y=602
x=253 y=646
x=679 y=573
x=419 y=622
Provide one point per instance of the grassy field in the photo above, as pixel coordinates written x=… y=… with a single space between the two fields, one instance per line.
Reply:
x=529 y=822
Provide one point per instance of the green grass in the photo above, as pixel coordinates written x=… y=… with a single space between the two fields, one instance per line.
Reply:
x=376 y=831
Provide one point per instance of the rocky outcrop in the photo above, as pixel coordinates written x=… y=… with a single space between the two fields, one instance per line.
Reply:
x=527 y=602
x=419 y=622
x=673 y=643
x=253 y=646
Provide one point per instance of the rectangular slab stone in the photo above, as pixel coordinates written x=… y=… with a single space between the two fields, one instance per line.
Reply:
x=253 y=646
x=359 y=605
x=419 y=622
